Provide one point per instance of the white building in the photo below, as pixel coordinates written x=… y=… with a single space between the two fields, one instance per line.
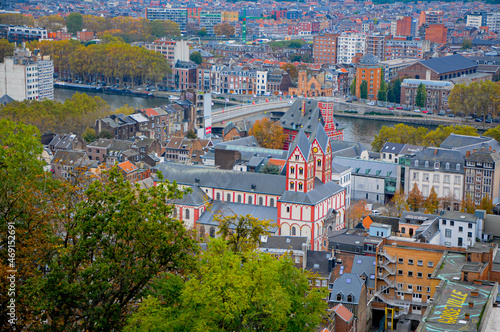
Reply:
x=459 y=229
x=261 y=82
x=493 y=21
x=24 y=76
x=342 y=176
x=349 y=45
x=440 y=169
x=474 y=20
x=210 y=19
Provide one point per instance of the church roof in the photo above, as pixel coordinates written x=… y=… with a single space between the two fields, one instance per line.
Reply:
x=302 y=142
x=294 y=119
x=320 y=192
x=321 y=136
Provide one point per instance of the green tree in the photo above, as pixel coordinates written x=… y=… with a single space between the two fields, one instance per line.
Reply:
x=295 y=43
x=196 y=57
x=191 y=134
x=74 y=22
x=242 y=233
x=363 y=90
x=118 y=239
x=6 y=49
x=270 y=169
x=89 y=135
x=493 y=133
x=158 y=28
x=432 y=202
x=352 y=87
x=224 y=29
x=247 y=291
x=415 y=199
x=421 y=95
x=382 y=92
x=52 y=23
x=466 y=44
x=400 y=133
x=396 y=90
x=202 y=32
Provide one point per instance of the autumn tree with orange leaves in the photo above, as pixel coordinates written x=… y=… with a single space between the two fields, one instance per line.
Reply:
x=355 y=213
x=268 y=134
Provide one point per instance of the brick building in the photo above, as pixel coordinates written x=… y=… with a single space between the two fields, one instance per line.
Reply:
x=436 y=33
x=325 y=48
x=368 y=70
x=482 y=175
x=406 y=48
x=439 y=69
x=403 y=26
x=375 y=44
x=437 y=94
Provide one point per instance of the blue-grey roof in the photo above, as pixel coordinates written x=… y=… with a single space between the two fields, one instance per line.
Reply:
x=294 y=119
x=284 y=242
x=302 y=142
x=447 y=160
x=427 y=82
x=459 y=216
x=321 y=192
x=337 y=168
x=392 y=147
x=370 y=168
x=449 y=63
x=196 y=198
x=347 y=284
x=346 y=148
x=464 y=143
x=364 y=265
x=226 y=209
x=319 y=262
x=369 y=59
x=223 y=179
x=321 y=136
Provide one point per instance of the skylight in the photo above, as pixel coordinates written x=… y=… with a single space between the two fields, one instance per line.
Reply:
x=348 y=281
x=359 y=261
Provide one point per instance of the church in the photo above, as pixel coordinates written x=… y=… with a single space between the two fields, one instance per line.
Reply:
x=303 y=202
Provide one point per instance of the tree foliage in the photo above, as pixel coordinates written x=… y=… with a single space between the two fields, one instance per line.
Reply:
x=415 y=199
x=402 y=133
x=74 y=23
x=363 y=90
x=74 y=115
x=242 y=233
x=224 y=29
x=268 y=134
x=476 y=98
x=52 y=23
x=421 y=95
x=398 y=204
x=270 y=169
x=17 y=19
x=291 y=70
x=486 y=204
x=352 y=87
x=6 y=49
x=196 y=57
x=432 y=202
x=355 y=213
x=468 y=205
x=466 y=44
x=493 y=133
x=247 y=291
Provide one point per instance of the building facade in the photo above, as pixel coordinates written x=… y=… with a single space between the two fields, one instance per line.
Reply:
x=325 y=48
x=368 y=70
x=482 y=176
x=349 y=45
x=437 y=94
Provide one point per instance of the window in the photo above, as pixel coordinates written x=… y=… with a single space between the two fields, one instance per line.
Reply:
x=469 y=234
x=447 y=233
x=460 y=229
x=271 y=202
x=470 y=225
x=420 y=263
x=349 y=298
x=429 y=275
x=426 y=163
x=403 y=231
x=228 y=197
x=428 y=289
x=419 y=288
x=296 y=157
x=300 y=186
x=410 y=262
x=401 y=260
x=261 y=201
x=400 y=272
x=416 y=163
x=288 y=209
x=212 y=231
x=218 y=196
x=250 y=200
x=430 y=264
x=291 y=185
x=443 y=222
x=435 y=178
x=419 y=274
x=301 y=171
x=452 y=223
x=446 y=179
x=292 y=170
x=410 y=287
x=319 y=162
x=339 y=297
x=294 y=230
x=239 y=198
x=187 y=213
x=447 y=165
x=410 y=273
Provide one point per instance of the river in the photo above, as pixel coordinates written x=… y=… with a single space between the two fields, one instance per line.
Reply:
x=355 y=129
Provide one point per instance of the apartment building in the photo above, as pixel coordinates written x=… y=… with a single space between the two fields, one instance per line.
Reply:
x=349 y=45
x=177 y=15
x=431 y=17
x=209 y=19
x=440 y=169
x=325 y=48
x=406 y=48
x=368 y=70
x=482 y=175
x=19 y=34
x=458 y=229
x=172 y=50
x=437 y=94
x=24 y=76
x=406 y=27
x=375 y=44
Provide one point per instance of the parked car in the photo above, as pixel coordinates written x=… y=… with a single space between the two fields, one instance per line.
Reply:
x=442 y=113
x=416 y=110
x=399 y=107
x=371 y=103
x=479 y=120
x=348 y=101
x=487 y=121
x=376 y=212
x=390 y=108
x=425 y=112
x=496 y=120
x=451 y=115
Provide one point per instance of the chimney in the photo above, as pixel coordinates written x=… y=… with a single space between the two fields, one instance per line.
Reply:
x=435 y=151
x=490 y=147
x=303 y=107
x=467 y=154
x=474 y=150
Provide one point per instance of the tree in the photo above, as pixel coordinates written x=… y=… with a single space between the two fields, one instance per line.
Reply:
x=202 y=32
x=363 y=90
x=17 y=19
x=52 y=23
x=355 y=213
x=415 y=199
x=247 y=291
x=172 y=29
x=196 y=57
x=191 y=134
x=270 y=169
x=74 y=22
x=486 y=204
x=242 y=233
x=421 y=95
x=117 y=238
x=466 y=44
x=268 y=134
x=493 y=133
x=295 y=43
x=396 y=90
x=158 y=28
x=468 y=205
x=382 y=92
x=89 y=135
x=432 y=202
x=352 y=87
x=291 y=70
x=398 y=204
x=224 y=29
x=6 y=49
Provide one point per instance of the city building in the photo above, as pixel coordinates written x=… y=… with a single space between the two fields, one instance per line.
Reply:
x=482 y=175
x=393 y=152
x=437 y=94
x=441 y=169
x=19 y=34
x=436 y=33
x=459 y=229
x=209 y=19
x=173 y=50
x=431 y=17
x=325 y=48
x=375 y=44
x=392 y=67
x=406 y=48
x=368 y=70
x=309 y=86
x=439 y=69
x=349 y=45
x=407 y=26
x=177 y=15
x=185 y=73
x=25 y=76
x=476 y=20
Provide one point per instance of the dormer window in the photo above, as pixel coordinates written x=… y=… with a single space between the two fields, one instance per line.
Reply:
x=447 y=165
x=426 y=163
x=416 y=163
x=349 y=298
x=296 y=157
x=436 y=165
x=339 y=297
x=458 y=167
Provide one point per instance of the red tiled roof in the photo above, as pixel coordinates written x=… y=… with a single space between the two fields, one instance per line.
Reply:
x=343 y=312
x=278 y=162
x=149 y=112
x=127 y=166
